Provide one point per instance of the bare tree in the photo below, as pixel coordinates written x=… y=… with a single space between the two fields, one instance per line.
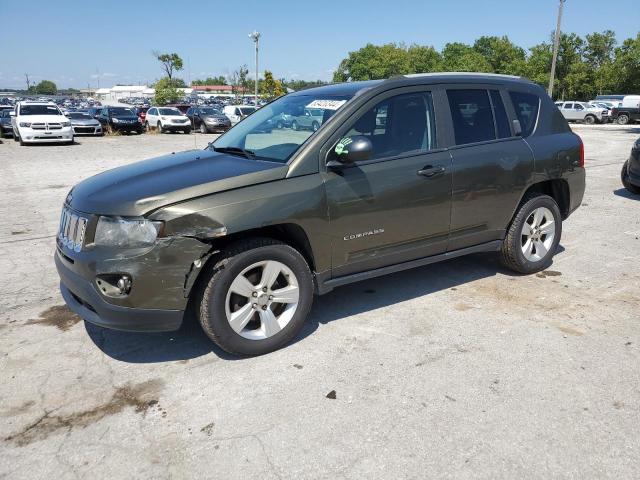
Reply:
x=170 y=62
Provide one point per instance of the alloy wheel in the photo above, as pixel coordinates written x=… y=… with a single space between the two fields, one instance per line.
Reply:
x=262 y=300
x=538 y=233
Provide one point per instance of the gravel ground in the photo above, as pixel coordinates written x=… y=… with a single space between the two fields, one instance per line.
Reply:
x=456 y=370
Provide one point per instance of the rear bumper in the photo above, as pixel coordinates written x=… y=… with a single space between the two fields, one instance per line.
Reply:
x=576 y=181
x=82 y=298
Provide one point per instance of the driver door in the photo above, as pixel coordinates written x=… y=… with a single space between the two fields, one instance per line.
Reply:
x=396 y=206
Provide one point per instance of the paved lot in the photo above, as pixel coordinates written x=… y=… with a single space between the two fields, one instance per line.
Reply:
x=457 y=370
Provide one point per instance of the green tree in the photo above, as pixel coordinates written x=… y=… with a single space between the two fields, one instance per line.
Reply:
x=373 y=62
x=423 y=59
x=166 y=91
x=239 y=81
x=170 y=62
x=626 y=66
x=46 y=87
x=503 y=55
x=270 y=87
x=219 y=80
x=459 y=57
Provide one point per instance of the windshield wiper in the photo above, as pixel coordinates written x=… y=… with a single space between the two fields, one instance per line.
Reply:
x=235 y=151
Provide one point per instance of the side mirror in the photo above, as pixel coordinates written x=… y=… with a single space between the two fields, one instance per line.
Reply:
x=517 y=128
x=353 y=149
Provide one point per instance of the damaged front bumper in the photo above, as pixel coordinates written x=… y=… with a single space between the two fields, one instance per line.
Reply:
x=161 y=278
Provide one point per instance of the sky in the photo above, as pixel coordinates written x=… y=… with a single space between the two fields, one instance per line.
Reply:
x=77 y=43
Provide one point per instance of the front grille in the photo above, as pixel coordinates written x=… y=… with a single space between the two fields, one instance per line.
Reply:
x=84 y=129
x=71 y=230
x=39 y=126
x=54 y=126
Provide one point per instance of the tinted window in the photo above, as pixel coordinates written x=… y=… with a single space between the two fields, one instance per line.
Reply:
x=472 y=116
x=39 y=110
x=526 y=106
x=500 y=115
x=398 y=125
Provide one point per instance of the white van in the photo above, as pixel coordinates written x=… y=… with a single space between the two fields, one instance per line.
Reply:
x=235 y=113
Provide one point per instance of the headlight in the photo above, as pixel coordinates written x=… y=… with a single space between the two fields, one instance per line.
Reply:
x=115 y=120
x=25 y=124
x=66 y=124
x=163 y=118
x=126 y=232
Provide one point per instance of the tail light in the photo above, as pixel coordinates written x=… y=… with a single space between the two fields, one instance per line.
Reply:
x=581 y=164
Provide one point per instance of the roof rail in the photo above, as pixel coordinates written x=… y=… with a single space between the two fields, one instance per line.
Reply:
x=442 y=74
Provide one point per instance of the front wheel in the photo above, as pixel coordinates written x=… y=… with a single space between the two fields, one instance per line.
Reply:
x=589 y=119
x=631 y=188
x=147 y=127
x=294 y=125
x=257 y=297
x=533 y=236
x=187 y=131
x=315 y=126
x=159 y=127
x=203 y=128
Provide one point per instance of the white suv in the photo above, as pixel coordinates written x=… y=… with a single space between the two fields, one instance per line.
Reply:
x=40 y=122
x=167 y=119
x=583 y=112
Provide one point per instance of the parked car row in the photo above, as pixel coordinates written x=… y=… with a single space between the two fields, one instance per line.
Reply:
x=622 y=110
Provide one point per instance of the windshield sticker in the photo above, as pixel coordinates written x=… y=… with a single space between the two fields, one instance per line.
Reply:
x=327 y=104
x=342 y=144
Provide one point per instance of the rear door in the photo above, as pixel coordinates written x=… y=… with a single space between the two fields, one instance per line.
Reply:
x=394 y=207
x=491 y=165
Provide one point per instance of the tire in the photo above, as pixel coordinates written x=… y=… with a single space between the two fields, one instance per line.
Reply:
x=109 y=129
x=159 y=127
x=16 y=137
x=279 y=125
x=294 y=125
x=589 y=119
x=146 y=126
x=203 y=128
x=217 y=300
x=187 y=131
x=22 y=144
x=624 y=175
x=315 y=126
x=623 y=119
x=512 y=255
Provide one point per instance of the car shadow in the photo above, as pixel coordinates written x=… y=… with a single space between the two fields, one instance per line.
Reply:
x=623 y=192
x=191 y=342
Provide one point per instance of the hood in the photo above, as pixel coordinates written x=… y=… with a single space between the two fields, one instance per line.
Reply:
x=139 y=188
x=215 y=116
x=125 y=117
x=43 y=118
x=84 y=121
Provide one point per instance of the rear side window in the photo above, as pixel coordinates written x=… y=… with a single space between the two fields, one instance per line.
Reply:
x=500 y=114
x=472 y=116
x=526 y=106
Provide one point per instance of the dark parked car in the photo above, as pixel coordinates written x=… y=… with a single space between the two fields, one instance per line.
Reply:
x=631 y=170
x=245 y=231
x=6 y=130
x=84 y=124
x=208 y=119
x=94 y=111
x=121 y=119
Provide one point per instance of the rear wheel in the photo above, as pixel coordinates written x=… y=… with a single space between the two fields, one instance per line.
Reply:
x=257 y=297
x=533 y=236
x=625 y=180
x=146 y=126
x=623 y=119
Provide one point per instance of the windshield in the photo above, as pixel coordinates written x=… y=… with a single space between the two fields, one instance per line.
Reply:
x=83 y=116
x=264 y=134
x=121 y=111
x=247 y=110
x=169 y=111
x=5 y=113
x=39 y=110
x=210 y=111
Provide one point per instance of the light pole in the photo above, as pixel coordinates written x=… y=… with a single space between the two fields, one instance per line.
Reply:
x=556 y=46
x=255 y=36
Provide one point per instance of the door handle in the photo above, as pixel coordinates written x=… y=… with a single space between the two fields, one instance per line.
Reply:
x=431 y=171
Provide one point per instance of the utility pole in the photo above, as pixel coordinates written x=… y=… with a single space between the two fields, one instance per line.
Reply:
x=556 y=46
x=255 y=36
